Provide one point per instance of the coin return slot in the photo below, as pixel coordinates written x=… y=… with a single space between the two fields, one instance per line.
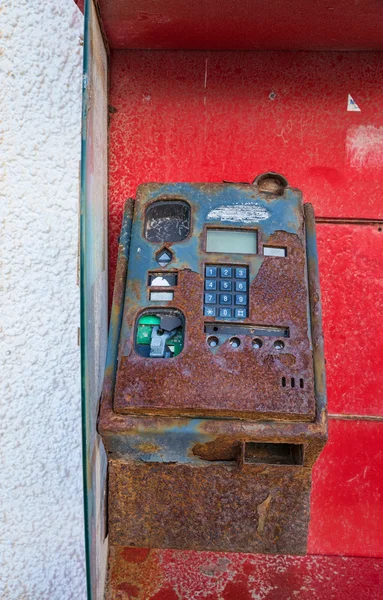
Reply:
x=273 y=454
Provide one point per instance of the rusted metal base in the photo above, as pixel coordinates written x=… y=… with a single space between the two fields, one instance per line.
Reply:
x=218 y=507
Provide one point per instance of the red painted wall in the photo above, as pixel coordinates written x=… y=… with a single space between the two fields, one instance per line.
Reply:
x=208 y=116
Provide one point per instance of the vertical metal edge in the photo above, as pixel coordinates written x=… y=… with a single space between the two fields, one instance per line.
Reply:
x=118 y=302
x=83 y=320
x=316 y=316
x=93 y=456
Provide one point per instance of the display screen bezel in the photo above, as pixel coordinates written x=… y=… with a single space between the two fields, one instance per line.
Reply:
x=230 y=230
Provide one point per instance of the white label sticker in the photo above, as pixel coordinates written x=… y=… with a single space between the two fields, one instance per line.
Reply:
x=352 y=105
x=242 y=213
x=160 y=282
x=161 y=296
x=273 y=251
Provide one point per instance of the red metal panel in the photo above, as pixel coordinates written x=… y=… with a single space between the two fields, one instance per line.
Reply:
x=243 y=25
x=174 y=575
x=350 y=262
x=347 y=493
x=206 y=117
x=198 y=116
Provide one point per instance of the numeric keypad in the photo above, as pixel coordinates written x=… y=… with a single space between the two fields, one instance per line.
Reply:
x=226 y=292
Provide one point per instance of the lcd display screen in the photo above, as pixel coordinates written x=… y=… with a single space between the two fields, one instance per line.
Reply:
x=229 y=241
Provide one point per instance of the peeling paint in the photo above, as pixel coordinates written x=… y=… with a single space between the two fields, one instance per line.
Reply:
x=243 y=213
x=364 y=146
x=262 y=510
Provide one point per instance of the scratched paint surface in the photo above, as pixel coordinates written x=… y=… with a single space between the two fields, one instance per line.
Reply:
x=347 y=492
x=350 y=263
x=174 y=575
x=206 y=117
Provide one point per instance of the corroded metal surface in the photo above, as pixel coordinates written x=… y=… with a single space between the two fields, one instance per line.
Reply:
x=236 y=382
x=262 y=509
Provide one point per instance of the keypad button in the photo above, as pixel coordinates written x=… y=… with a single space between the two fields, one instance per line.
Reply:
x=241 y=273
x=210 y=298
x=225 y=313
x=211 y=271
x=241 y=299
x=225 y=298
x=241 y=286
x=209 y=311
x=226 y=272
x=210 y=284
x=240 y=313
x=225 y=285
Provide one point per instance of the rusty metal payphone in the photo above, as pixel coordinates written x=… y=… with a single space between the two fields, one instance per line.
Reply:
x=214 y=405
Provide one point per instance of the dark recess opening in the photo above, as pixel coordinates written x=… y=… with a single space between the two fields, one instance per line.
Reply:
x=273 y=454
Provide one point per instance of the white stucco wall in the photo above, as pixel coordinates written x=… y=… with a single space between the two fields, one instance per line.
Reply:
x=41 y=512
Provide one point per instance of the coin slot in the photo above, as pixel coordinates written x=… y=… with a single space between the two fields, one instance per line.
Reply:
x=253 y=330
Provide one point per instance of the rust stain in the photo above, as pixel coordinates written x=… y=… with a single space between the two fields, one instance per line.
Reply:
x=200 y=382
x=262 y=510
x=136 y=287
x=224 y=448
x=210 y=508
x=148 y=448
x=133 y=573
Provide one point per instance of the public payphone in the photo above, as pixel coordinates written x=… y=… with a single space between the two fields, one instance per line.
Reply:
x=213 y=409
